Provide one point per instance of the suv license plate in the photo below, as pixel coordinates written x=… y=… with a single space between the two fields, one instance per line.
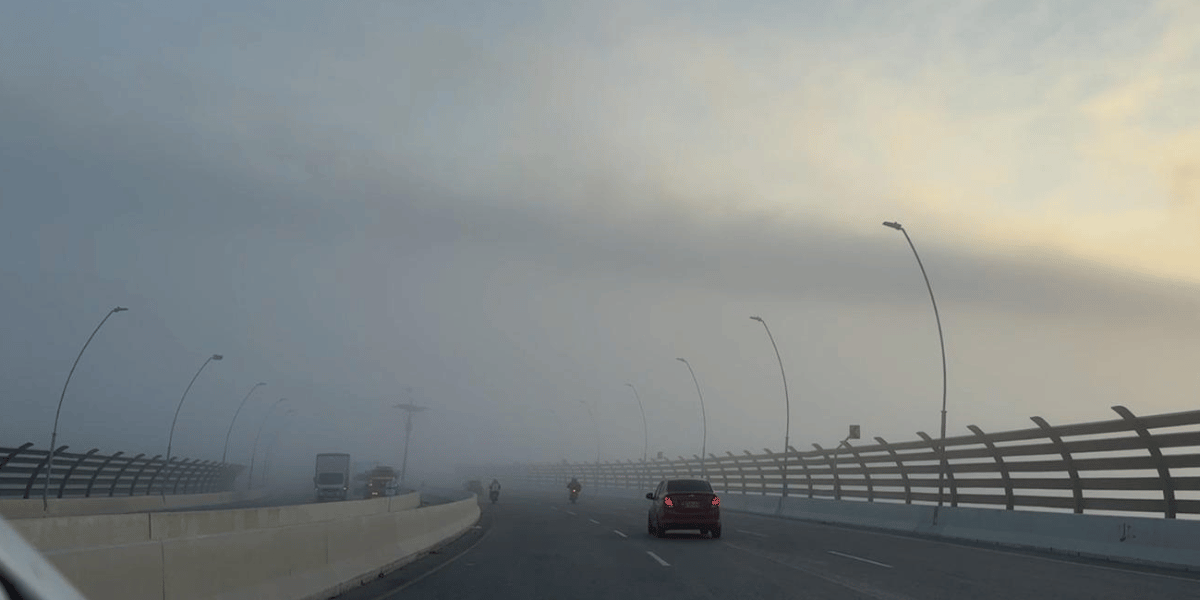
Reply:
x=691 y=505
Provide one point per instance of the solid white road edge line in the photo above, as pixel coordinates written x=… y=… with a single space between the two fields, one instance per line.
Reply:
x=658 y=558
x=859 y=558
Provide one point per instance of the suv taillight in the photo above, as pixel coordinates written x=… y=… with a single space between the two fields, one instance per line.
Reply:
x=668 y=502
x=716 y=501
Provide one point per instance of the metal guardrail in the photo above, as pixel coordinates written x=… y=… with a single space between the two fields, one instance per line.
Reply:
x=1131 y=464
x=91 y=475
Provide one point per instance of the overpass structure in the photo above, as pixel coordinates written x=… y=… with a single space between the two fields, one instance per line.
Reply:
x=1123 y=491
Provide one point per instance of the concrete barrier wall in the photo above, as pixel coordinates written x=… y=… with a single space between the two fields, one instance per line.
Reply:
x=291 y=552
x=62 y=507
x=1171 y=543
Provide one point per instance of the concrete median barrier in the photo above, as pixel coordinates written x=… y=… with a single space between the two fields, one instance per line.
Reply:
x=31 y=508
x=293 y=552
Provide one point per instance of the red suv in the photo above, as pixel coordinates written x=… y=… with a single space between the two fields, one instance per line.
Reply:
x=684 y=504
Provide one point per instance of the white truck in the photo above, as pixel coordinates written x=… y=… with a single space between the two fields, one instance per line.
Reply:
x=332 y=480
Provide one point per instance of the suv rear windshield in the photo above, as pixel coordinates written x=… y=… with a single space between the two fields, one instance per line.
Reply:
x=688 y=485
x=329 y=478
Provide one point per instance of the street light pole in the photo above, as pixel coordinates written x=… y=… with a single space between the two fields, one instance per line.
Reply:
x=409 y=409
x=254 y=452
x=171 y=437
x=270 y=452
x=942 y=341
x=645 y=432
x=787 y=427
x=703 y=416
x=596 y=429
x=58 y=411
x=225 y=453
x=645 y=429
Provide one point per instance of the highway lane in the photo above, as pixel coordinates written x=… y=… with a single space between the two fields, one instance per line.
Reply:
x=537 y=545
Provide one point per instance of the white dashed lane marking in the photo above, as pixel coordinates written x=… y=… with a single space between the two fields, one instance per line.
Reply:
x=860 y=559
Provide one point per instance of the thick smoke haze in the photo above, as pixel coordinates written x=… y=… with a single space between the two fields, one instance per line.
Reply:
x=500 y=213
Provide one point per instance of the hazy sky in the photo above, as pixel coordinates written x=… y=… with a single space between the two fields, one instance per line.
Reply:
x=512 y=207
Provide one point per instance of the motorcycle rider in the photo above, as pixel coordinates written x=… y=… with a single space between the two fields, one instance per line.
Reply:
x=574 y=485
x=494 y=486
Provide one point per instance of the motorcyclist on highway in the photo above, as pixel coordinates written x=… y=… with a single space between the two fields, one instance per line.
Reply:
x=494 y=486
x=574 y=486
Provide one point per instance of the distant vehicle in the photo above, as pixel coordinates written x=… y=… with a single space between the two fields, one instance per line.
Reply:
x=474 y=485
x=332 y=480
x=684 y=504
x=381 y=481
x=573 y=489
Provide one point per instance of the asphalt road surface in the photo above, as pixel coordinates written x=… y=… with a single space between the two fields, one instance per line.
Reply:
x=542 y=546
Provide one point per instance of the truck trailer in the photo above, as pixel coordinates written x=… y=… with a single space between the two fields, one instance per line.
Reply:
x=332 y=480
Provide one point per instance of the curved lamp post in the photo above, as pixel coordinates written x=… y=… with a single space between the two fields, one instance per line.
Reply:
x=57 y=412
x=225 y=452
x=254 y=452
x=787 y=426
x=596 y=428
x=704 y=416
x=645 y=429
x=645 y=432
x=171 y=437
x=942 y=341
x=270 y=451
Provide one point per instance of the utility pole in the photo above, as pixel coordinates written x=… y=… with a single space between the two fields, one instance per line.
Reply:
x=408 y=408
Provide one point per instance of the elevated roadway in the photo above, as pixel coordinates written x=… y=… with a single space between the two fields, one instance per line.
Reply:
x=537 y=545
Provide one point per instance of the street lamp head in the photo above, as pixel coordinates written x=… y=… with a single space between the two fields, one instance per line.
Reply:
x=120 y=309
x=759 y=319
x=893 y=225
x=260 y=383
x=217 y=357
x=682 y=360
